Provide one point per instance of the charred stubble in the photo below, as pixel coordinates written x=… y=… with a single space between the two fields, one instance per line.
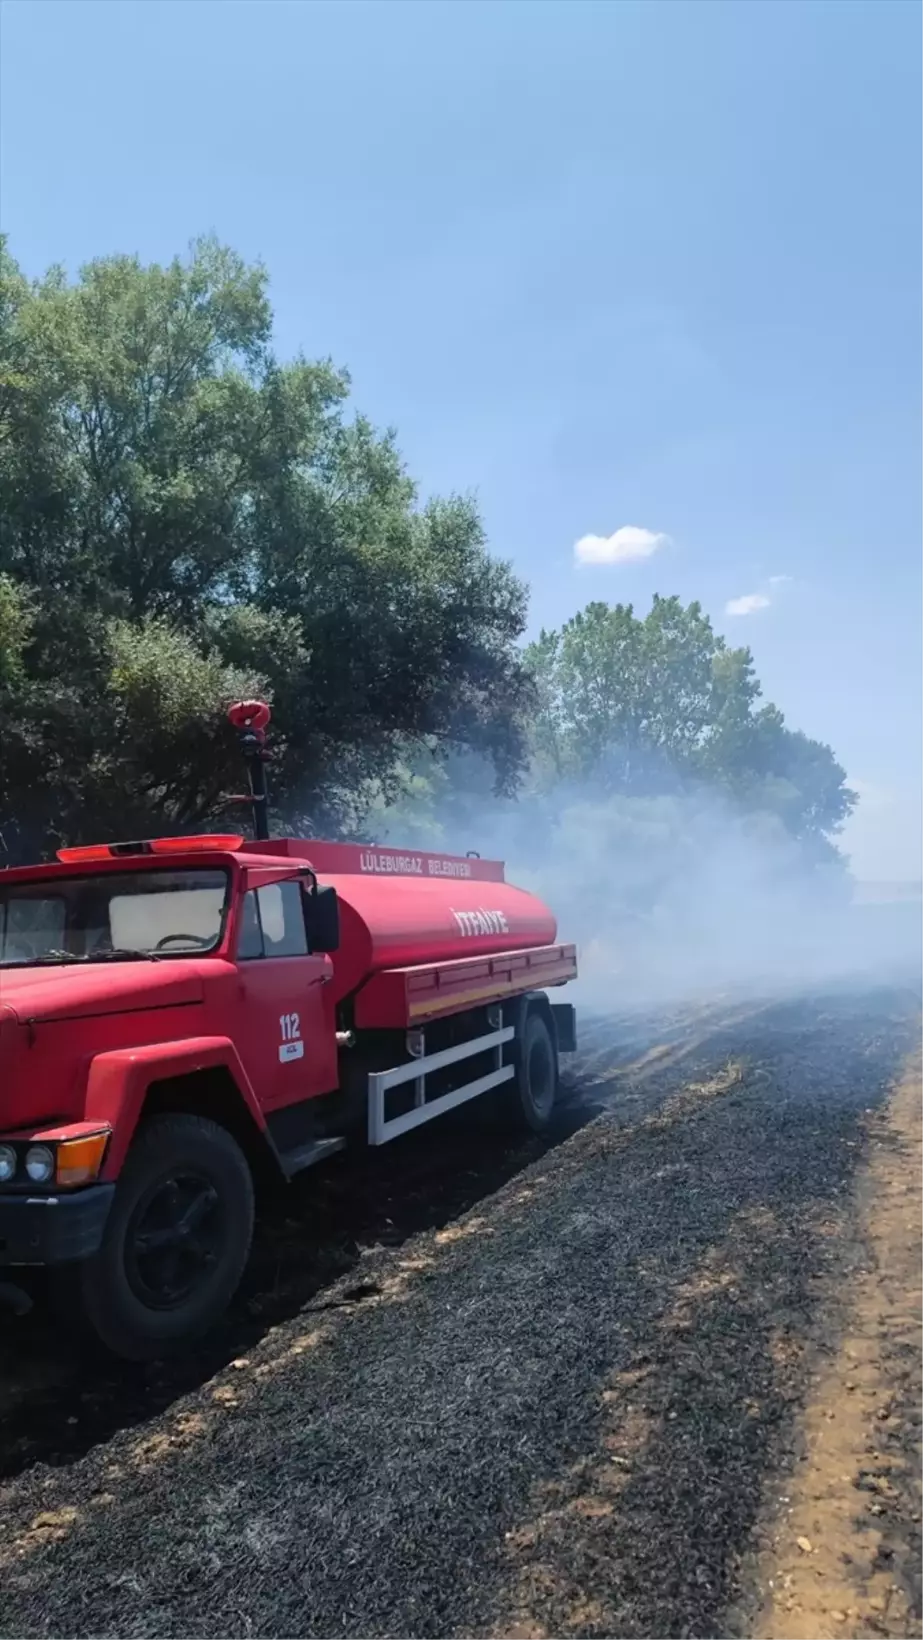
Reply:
x=559 y=1402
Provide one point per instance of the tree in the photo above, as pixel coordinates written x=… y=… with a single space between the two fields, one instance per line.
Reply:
x=184 y=518
x=15 y=631
x=786 y=773
x=653 y=705
x=621 y=694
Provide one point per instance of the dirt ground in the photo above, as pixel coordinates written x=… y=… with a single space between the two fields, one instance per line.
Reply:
x=659 y=1375
x=843 y=1549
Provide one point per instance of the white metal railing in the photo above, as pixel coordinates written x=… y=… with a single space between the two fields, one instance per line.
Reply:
x=381 y=1129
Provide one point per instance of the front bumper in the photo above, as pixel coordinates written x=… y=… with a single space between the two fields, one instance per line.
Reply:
x=53 y=1229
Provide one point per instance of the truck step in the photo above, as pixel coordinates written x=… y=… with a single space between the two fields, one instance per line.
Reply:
x=303 y=1156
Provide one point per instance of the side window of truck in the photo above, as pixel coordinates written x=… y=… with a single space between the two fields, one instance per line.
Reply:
x=272 y=923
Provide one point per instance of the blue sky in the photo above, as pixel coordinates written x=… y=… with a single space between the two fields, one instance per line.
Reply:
x=609 y=264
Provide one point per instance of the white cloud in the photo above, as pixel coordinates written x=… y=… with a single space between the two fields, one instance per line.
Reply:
x=748 y=604
x=626 y=546
x=779 y=580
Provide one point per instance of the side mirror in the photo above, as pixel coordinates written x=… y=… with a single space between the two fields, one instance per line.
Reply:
x=322 y=919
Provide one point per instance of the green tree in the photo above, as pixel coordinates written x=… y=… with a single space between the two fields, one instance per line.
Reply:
x=15 y=631
x=184 y=518
x=620 y=694
x=639 y=726
x=650 y=705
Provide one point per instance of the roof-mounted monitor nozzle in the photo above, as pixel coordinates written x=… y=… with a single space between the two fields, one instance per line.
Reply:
x=250 y=718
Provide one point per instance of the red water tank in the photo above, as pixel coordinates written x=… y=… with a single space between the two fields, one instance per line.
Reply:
x=402 y=908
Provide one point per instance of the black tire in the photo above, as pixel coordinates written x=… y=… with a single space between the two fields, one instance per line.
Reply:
x=532 y=1094
x=177 y=1239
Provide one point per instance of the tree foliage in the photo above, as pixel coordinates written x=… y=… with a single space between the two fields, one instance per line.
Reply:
x=184 y=519
x=645 y=732
x=642 y=706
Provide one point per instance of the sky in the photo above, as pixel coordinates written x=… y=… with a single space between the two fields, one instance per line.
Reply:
x=645 y=276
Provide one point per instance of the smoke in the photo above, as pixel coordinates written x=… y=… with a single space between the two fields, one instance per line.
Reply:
x=678 y=895
x=679 y=898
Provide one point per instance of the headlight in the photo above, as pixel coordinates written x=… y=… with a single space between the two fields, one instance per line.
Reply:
x=7 y=1163
x=40 y=1164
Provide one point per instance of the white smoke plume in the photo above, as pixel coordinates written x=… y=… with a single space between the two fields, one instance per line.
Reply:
x=679 y=896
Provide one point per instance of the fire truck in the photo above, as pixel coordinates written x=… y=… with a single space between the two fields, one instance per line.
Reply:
x=184 y=1018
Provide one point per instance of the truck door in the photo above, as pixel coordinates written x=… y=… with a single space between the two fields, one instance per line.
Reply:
x=285 y=1032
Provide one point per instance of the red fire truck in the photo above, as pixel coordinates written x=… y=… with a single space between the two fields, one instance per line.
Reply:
x=182 y=1017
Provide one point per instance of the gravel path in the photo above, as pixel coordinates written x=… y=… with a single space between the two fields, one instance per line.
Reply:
x=562 y=1412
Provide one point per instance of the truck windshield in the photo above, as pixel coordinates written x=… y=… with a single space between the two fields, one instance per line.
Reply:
x=112 y=916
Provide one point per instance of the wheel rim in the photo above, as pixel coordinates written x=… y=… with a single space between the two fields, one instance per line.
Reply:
x=174 y=1239
x=541 y=1077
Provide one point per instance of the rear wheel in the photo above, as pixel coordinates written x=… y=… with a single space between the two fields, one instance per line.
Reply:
x=532 y=1094
x=176 y=1242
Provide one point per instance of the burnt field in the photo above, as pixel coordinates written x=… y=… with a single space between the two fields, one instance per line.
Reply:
x=610 y=1383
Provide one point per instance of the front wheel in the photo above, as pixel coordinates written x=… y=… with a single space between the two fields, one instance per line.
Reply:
x=176 y=1242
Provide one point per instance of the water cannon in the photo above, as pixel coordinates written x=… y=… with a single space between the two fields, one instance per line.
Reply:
x=251 y=718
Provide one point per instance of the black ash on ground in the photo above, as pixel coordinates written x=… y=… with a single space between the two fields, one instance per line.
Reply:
x=555 y=1413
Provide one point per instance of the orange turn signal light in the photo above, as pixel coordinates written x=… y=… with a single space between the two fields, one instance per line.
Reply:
x=79 y=1160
